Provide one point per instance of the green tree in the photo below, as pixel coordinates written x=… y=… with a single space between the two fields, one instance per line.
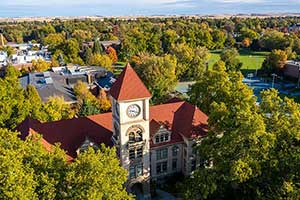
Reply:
x=275 y=61
x=219 y=38
x=248 y=33
x=49 y=168
x=56 y=109
x=230 y=57
x=199 y=63
x=12 y=73
x=211 y=87
x=14 y=106
x=87 y=55
x=89 y=104
x=34 y=101
x=237 y=145
x=184 y=55
x=82 y=35
x=40 y=65
x=158 y=74
x=190 y=61
x=230 y=41
x=17 y=179
x=273 y=39
x=105 y=178
x=169 y=38
x=97 y=49
x=71 y=51
x=88 y=108
x=54 y=40
x=101 y=61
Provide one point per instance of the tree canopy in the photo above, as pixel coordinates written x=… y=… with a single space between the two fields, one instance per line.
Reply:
x=250 y=150
x=29 y=171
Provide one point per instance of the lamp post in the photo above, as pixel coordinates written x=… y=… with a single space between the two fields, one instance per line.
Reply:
x=274 y=75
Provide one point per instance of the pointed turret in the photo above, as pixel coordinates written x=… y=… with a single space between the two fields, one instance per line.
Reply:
x=129 y=86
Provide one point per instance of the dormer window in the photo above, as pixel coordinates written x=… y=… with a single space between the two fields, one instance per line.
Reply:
x=162 y=137
x=86 y=144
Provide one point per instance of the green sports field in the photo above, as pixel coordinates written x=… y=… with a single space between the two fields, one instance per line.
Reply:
x=251 y=60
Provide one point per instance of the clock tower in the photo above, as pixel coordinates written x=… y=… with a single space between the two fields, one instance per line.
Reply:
x=131 y=132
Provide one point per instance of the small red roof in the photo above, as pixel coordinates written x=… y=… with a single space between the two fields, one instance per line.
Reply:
x=129 y=86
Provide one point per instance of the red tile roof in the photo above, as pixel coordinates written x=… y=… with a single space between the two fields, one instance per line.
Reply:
x=181 y=118
x=72 y=133
x=129 y=86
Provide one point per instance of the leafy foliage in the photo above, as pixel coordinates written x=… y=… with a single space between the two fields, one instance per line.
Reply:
x=105 y=177
x=89 y=104
x=158 y=74
x=250 y=150
x=29 y=171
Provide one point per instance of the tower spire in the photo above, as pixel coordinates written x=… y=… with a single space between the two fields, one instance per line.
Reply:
x=129 y=86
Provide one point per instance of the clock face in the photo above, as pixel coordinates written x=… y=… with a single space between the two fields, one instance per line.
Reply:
x=133 y=110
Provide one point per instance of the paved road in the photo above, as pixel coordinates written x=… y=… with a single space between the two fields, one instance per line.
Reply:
x=163 y=195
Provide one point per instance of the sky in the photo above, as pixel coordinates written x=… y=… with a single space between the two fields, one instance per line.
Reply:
x=21 y=8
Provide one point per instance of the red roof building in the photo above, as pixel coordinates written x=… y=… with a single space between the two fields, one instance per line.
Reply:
x=180 y=118
x=159 y=138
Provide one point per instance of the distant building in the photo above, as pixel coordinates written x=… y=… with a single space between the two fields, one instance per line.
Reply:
x=28 y=56
x=292 y=69
x=49 y=84
x=3 y=58
x=23 y=46
x=105 y=44
x=294 y=28
x=61 y=80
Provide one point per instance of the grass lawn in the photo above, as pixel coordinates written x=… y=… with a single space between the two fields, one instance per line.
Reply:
x=251 y=60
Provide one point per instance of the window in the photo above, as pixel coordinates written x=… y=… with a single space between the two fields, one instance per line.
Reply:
x=135 y=134
x=138 y=136
x=139 y=153
x=131 y=154
x=162 y=137
x=166 y=137
x=139 y=170
x=175 y=150
x=157 y=139
x=174 y=164
x=161 y=167
x=132 y=172
x=136 y=171
x=135 y=153
x=131 y=137
x=161 y=154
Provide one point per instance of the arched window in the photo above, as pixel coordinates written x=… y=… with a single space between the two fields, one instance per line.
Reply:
x=131 y=137
x=135 y=134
